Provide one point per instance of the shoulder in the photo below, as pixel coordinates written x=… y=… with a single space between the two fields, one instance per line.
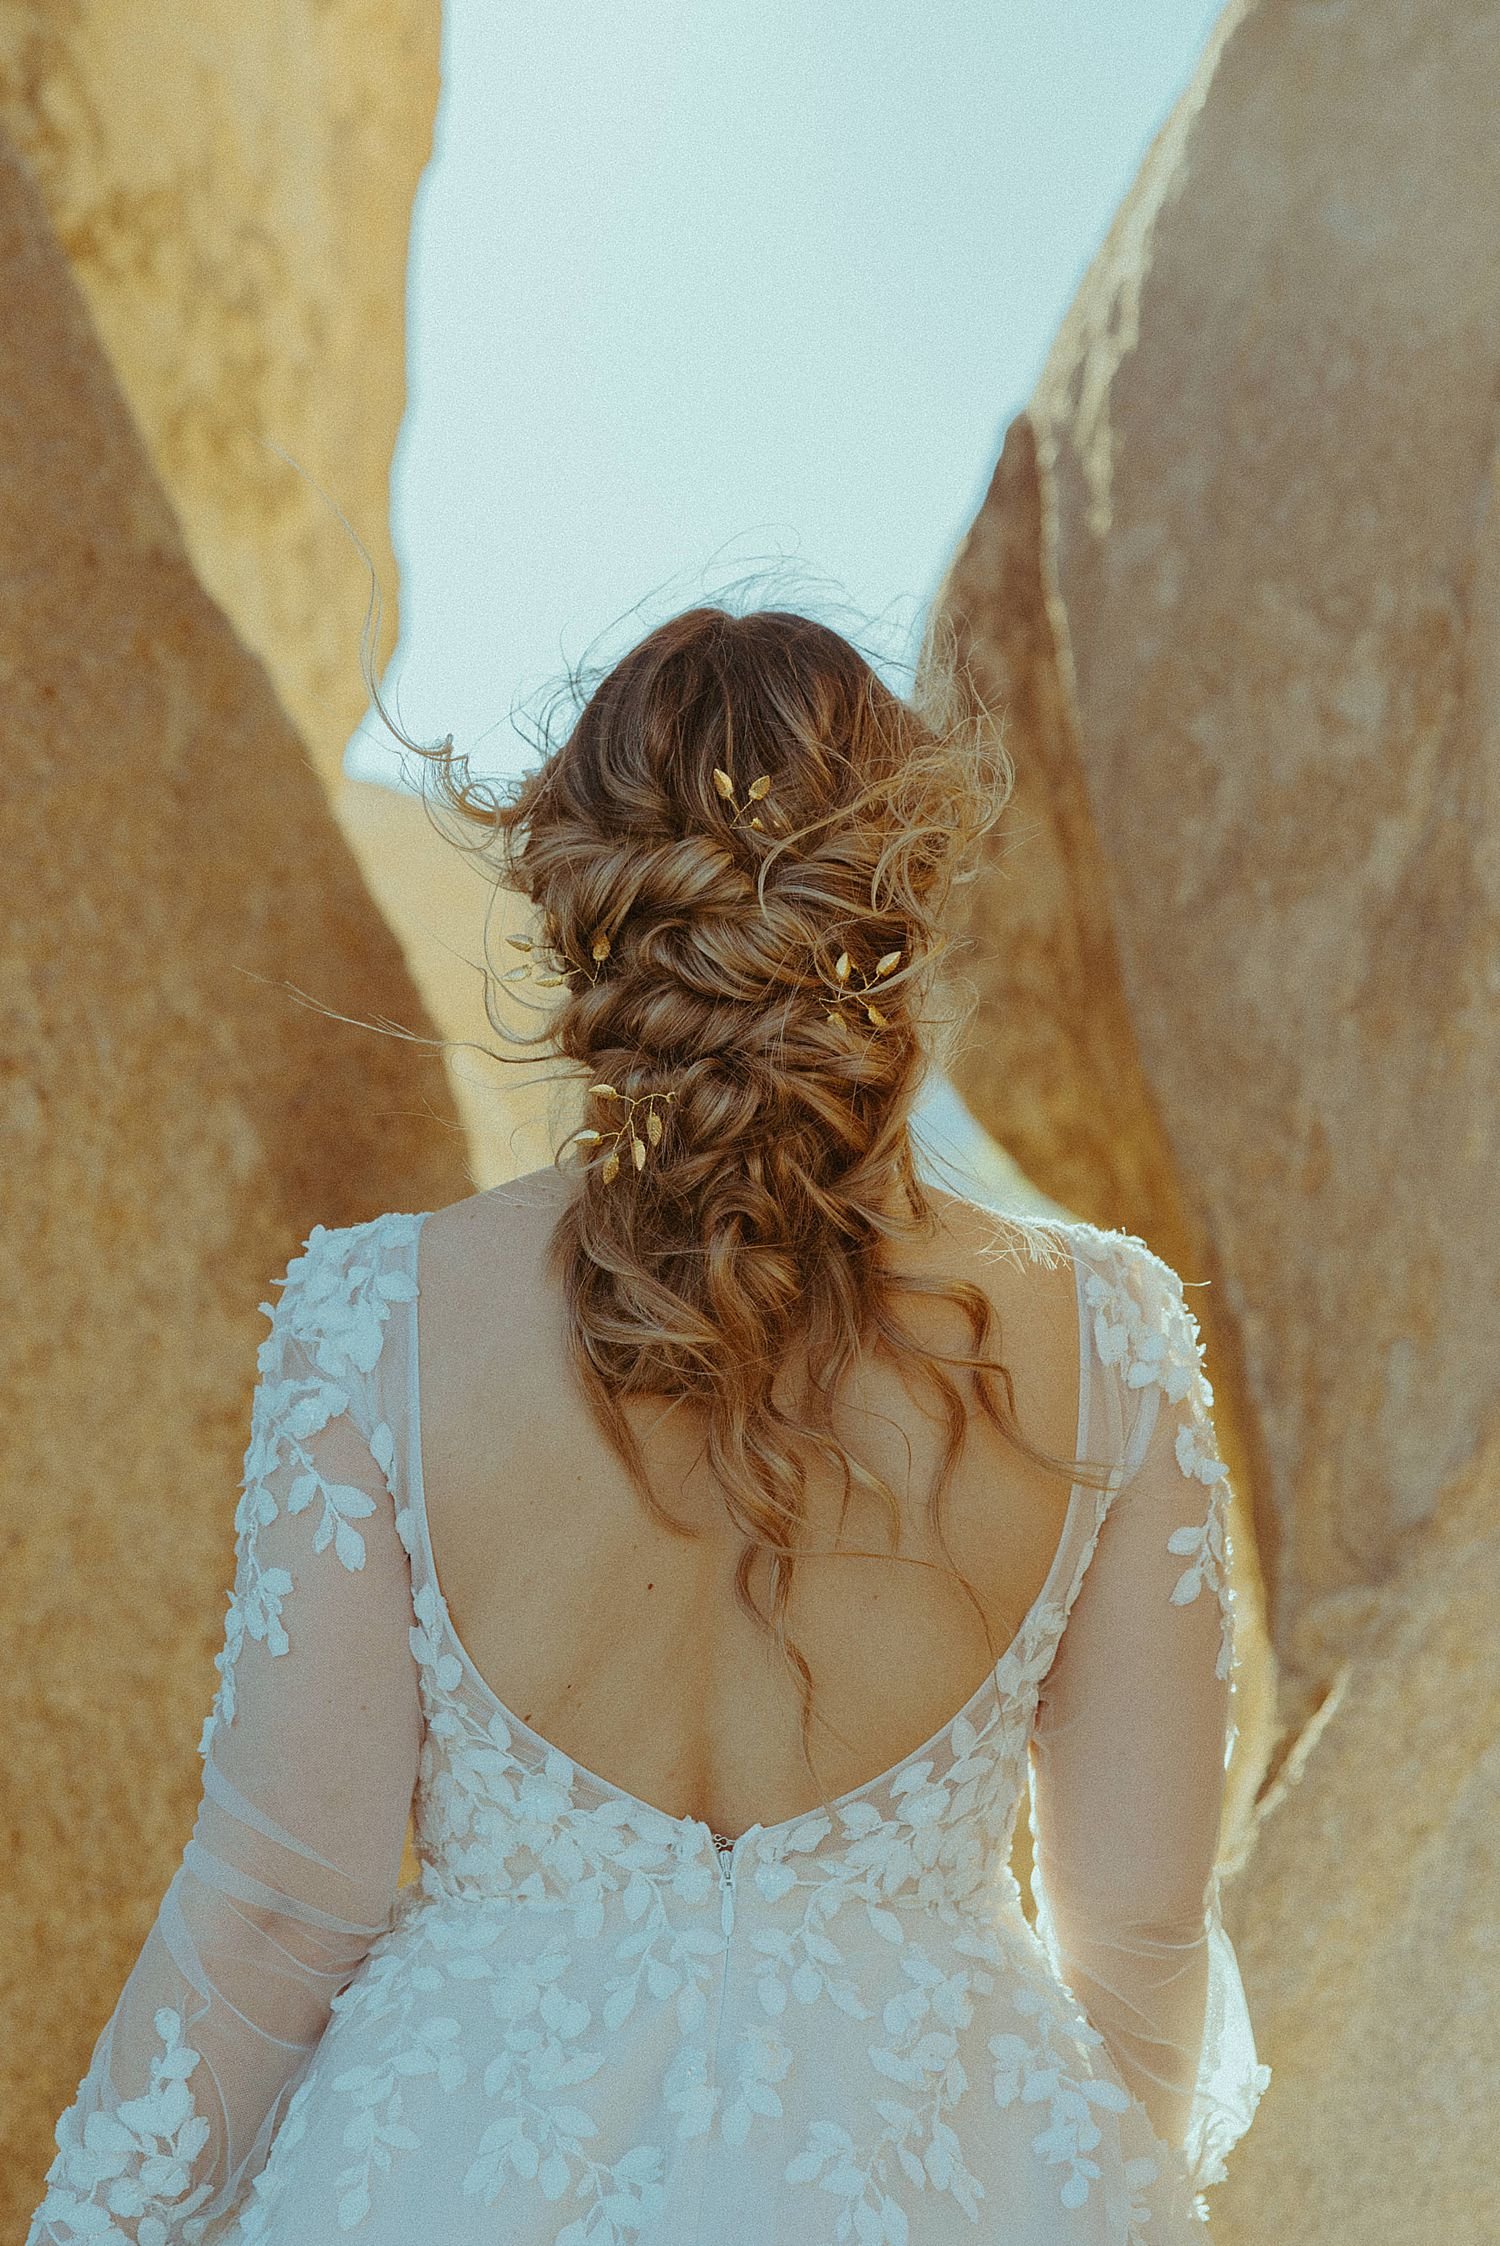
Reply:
x=1139 y=1313
x=505 y=1218
x=1143 y=1322
x=336 y=1292
x=1109 y=1264
x=1025 y=1271
x=996 y=1235
x=491 y=1248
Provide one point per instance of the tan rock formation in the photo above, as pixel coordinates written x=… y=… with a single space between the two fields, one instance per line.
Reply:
x=1050 y=1064
x=1238 y=583
x=174 y=1122
x=1366 y=1919
x=445 y=911
x=233 y=188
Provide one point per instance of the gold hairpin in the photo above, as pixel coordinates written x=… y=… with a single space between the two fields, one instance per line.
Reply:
x=598 y=950
x=610 y=1167
x=757 y=792
x=843 y=970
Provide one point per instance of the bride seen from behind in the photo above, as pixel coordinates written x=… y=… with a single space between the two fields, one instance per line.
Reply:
x=735 y=1317
x=707 y=1543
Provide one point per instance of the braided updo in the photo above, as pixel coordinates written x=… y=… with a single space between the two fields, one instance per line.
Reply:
x=723 y=959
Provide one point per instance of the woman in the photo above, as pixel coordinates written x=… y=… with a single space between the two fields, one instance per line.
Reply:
x=669 y=1534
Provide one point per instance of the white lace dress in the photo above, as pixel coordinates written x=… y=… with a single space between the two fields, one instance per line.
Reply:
x=588 y=2023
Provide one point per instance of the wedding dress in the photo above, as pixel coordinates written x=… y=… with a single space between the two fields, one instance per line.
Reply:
x=588 y=2023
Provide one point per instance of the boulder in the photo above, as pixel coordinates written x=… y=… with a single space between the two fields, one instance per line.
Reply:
x=1365 y=1917
x=1236 y=587
x=177 y=1113
x=233 y=188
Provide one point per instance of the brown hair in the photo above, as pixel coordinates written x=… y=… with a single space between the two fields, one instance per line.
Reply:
x=699 y=955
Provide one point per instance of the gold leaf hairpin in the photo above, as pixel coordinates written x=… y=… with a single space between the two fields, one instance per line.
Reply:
x=527 y=970
x=627 y=1134
x=757 y=792
x=846 y=987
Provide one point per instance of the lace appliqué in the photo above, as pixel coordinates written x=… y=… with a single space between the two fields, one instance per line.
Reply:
x=1157 y=1342
x=920 y=2055
x=1037 y=2070
x=137 y=2162
x=330 y=1324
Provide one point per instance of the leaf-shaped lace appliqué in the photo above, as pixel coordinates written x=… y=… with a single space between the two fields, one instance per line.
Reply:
x=1205 y=1543
x=1144 y=1327
x=338 y=1297
x=325 y=1336
x=136 y=2162
x=1036 y=2069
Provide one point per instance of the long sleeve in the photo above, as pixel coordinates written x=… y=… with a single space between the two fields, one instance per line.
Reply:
x=1133 y=1735
x=310 y=1757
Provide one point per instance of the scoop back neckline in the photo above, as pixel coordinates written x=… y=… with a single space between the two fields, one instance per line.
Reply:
x=416 y=1497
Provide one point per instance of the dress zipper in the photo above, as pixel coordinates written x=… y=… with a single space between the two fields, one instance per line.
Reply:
x=726 y=1884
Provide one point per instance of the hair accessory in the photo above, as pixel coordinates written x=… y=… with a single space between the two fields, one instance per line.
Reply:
x=843 y=969
x=598 y=949
x=757 y=791
x=610 y=1169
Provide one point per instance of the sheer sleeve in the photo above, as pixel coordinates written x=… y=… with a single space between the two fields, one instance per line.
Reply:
x=310 y=1757
x=1133 y=1733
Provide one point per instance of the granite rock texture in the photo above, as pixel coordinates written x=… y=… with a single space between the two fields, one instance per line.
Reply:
x=1237 y=588
x=233 y=188
x=175 y=1119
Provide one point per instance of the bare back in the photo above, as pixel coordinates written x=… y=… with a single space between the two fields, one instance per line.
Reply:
x=622 y=1643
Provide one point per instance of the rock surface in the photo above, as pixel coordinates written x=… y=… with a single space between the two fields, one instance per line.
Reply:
x=174 y=1122
x=1365 y=1919
x=445 y=911
x=1238 y=584
x=233 y=188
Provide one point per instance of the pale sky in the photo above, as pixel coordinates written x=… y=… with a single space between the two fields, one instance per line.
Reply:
x=699 y=285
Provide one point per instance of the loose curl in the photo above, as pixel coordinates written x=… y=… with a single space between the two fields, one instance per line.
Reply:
x=752 y=1239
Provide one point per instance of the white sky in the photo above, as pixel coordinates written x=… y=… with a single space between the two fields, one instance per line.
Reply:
x=700 y=284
